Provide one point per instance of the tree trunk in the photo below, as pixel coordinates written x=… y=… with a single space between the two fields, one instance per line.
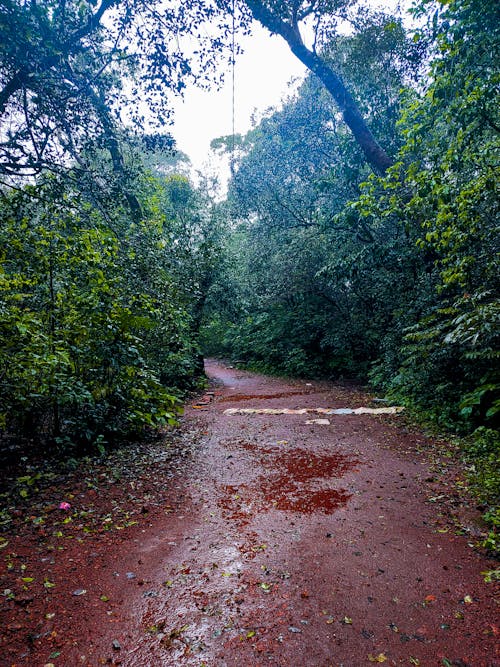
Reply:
x=375 y=155
x=113 y=146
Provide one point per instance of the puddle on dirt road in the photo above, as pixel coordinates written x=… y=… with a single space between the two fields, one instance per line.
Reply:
x=291 y=481
x=301 y=465
x=291 y=484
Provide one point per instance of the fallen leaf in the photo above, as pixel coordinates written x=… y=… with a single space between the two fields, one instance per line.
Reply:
x=414 y=661
x=430 y=598
x=250 y=634
x=346 y=620
x=468 y=599
x=155 y=629
x=436 y=498
x=174 y=634
x=377 y=658
x=489 y=575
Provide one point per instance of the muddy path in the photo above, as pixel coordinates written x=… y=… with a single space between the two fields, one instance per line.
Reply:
x=277 y=542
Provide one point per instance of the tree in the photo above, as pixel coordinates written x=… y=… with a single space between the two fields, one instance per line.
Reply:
x=99 y=313
x=445 y=190
x=72 y=72
x=317 y=287
x=285 y=18
x=74 y=372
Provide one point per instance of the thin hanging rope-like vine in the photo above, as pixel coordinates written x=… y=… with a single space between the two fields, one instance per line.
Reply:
x=233 y=87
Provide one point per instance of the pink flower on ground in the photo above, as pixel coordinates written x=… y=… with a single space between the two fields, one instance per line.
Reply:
x=64 y=506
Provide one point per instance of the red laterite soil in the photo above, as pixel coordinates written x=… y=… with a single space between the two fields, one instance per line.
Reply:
x=252 y=540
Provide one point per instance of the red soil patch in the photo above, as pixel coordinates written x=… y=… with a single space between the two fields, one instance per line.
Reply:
x=235 y=398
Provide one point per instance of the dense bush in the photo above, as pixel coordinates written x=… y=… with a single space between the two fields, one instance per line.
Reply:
x=97 y=336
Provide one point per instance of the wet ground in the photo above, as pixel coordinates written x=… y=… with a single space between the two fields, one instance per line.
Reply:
x=275 y=542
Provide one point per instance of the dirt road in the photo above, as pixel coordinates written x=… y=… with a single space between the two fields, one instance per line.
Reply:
x=280 y=543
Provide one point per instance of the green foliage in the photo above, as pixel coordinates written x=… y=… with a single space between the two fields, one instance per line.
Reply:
x=98 y=333
x=394 y=279
x=310 y=278
x=69 y=346
x=445 y=190
x=103 y=267
x=483 y=453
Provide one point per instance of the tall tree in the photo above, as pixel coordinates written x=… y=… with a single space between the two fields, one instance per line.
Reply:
x=286 y=18
x=71 y=73
x=447 y=189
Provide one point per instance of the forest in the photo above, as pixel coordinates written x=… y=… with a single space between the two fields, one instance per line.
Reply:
x=358 y=239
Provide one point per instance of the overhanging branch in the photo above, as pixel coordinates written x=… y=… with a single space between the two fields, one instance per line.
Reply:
x=375 y=155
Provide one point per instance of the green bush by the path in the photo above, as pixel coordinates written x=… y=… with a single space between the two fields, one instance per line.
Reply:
x=98 y=338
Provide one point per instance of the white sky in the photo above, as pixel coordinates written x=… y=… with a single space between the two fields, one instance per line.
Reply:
x=263 y=72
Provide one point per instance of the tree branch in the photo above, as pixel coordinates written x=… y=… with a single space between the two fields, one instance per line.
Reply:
x=22 y=77
x=113 y=145
x=375 y=155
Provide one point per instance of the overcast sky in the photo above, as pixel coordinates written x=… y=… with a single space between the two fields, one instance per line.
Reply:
x=263 y=72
